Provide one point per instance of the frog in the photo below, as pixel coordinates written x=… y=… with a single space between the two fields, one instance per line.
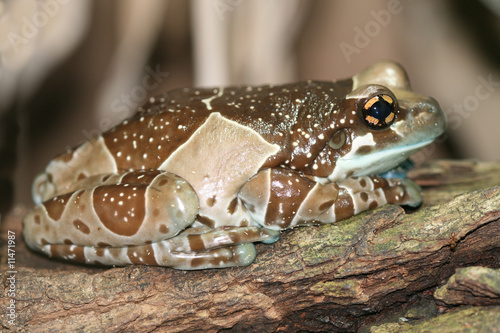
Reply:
x=199 y=175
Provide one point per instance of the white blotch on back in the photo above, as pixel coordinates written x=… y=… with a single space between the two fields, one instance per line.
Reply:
x=227 y=155
x=208 y=100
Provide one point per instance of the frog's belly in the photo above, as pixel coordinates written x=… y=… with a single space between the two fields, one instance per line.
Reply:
x=217 y=161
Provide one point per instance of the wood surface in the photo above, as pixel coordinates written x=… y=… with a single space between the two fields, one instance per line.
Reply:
x=378 y=271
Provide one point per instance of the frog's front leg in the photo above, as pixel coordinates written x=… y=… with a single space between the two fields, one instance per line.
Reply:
x=280 y=198
x=114 y=211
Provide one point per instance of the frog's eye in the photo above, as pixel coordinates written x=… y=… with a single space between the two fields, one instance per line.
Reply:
x=379 y=111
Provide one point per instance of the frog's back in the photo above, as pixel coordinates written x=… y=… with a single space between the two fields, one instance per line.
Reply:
x=167 y=121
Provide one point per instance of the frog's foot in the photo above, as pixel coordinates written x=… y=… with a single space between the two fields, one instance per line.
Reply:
x=229 y=256
x=413 y=192
x=220 y=237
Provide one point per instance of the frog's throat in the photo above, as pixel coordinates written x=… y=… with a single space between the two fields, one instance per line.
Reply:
x=373 y=163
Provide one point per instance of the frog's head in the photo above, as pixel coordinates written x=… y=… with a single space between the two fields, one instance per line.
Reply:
x=381 y=122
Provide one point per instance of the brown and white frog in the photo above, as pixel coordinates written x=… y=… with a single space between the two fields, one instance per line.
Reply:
x=198 y=175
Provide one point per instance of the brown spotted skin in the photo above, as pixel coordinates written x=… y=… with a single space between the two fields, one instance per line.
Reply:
x=198 y=175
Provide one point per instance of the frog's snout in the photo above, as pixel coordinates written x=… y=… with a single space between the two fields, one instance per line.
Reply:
x=429 y=115
x=435 y=111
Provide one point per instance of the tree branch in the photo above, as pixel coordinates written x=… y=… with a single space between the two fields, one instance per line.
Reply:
x=331 y=278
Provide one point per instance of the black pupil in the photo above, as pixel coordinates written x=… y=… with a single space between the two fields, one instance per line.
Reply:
x=380 y=109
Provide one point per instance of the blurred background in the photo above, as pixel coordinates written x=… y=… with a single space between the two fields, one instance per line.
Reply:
x=70 y=69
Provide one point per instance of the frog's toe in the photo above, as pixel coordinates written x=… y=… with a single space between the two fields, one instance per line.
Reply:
x=413 y=193
x=244 y=254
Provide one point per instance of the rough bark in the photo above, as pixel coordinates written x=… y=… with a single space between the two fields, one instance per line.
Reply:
x=340 y=277
x=475 y=319
x=472 y=286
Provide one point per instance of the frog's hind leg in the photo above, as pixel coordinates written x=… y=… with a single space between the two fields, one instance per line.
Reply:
x=112 y=211
x=196 y=248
